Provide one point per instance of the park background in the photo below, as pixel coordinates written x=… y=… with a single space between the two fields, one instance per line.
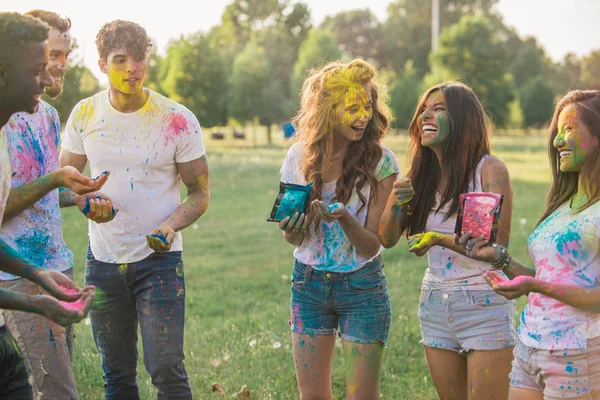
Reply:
x=243 y=75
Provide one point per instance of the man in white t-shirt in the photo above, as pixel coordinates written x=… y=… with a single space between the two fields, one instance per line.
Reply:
x=23 y=77
x=33 y=222
x=150 y=144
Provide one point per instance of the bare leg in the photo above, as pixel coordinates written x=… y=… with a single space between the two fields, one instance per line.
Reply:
x=524 y=394
x=312 y=360
x=487 y=376
x=448 y=370
x=363 y=370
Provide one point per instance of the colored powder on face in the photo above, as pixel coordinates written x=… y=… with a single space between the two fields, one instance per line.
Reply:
x=74 y=305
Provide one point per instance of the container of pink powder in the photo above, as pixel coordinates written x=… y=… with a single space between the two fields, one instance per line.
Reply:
x=479 y=212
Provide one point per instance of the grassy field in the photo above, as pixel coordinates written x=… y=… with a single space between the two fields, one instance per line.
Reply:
x=237 y=270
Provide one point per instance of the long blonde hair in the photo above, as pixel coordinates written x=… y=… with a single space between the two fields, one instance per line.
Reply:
x=317 y=121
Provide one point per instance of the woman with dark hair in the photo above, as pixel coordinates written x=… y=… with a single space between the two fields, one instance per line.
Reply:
x=338 y=284
x=467 y=329
x=558 y=350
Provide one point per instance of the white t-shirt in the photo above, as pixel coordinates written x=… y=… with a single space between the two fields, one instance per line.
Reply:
x=448 y=269
x=36 y=233
x=565 y=248
x=5 y=172
x=141 y=149
x=329 y=249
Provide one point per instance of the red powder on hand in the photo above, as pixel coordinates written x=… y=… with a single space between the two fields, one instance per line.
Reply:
x=75 y=305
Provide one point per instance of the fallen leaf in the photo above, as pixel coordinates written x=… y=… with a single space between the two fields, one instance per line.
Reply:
x=244 y=393
x=216 y=387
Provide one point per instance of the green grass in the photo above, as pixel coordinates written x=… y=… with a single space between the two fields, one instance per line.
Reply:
x=237 y=270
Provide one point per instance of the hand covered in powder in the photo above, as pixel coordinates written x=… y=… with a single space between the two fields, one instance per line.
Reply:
x=161 y=238
x=477 y=247
x=510 y=288
x=54 y=283
x=70 y=178
x=97 y=207
x=294 y=224
x=53 y=309
x=403 y=191
x=329 y=214
x=420 y=243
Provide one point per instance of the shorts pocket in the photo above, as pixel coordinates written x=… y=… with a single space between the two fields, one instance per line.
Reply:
x=570 y=355
x=298 y=277
x=367 y=282
x=485 y=298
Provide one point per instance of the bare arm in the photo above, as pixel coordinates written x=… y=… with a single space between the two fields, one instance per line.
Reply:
x=194 y=175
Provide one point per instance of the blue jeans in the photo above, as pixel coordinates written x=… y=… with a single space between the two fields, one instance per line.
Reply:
x=355 y=304
x=151 y=292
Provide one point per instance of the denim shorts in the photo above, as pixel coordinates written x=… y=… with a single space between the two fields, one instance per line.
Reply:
x=355 y=304
x=463 y=320
x=558 y=374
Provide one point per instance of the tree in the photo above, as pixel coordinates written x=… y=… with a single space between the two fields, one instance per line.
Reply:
x=529 y=61
x=404 y=94
x=195 y=75
x=590 y=71
x=406 y=34
x=536 y=98
x=319 y=47
x=252 y=92
x=357 y=32
x=566 y=74
x=472 y=51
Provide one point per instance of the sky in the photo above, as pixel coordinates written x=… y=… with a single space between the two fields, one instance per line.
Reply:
x=561 y=26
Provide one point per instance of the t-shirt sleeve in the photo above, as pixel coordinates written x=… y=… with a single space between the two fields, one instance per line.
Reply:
x=289 y=169
x=72 y=139
x=388 y=165
x=190 y=145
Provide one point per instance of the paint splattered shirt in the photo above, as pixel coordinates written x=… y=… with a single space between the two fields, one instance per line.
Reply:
x=448 y=269
x=329 y=249
x=5 y=172
x=565 y=248
x=36 y=233
x=141 y=149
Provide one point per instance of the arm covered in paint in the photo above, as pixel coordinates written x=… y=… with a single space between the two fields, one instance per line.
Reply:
x=572 y=295
x=23 y=197
x=194 y=175
x=365 y=239
x=389 y=228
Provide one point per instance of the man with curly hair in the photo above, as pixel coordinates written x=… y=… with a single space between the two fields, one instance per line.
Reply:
x=33 y=222
x=151 y=144
x=23 y=78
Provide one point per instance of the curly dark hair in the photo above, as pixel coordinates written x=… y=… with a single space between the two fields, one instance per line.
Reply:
x=51 y=18
x=17 y=29
x=121 y=34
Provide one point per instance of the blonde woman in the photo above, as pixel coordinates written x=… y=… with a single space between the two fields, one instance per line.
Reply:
x=338 y=284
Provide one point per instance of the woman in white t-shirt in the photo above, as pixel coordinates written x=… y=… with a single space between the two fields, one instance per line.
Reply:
x=558 y=350
x=338 y=284
x=467 y=329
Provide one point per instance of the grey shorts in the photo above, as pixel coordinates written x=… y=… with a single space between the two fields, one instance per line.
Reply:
x=558 y=374
x=464 y=320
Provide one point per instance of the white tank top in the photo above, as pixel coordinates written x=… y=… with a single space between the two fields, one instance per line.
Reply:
x=447 y=269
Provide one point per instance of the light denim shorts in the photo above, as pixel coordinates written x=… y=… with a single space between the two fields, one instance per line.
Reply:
x=355 y=303
x=559 y=374
x=463 y=320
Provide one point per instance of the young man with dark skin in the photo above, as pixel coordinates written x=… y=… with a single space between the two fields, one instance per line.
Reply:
x=33 y=222
x=151 y=144
x=23 y=78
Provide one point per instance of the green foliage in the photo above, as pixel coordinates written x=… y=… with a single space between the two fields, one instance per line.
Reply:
x=472 y=51
x=537 y=101
x=590 y=71
x=528 y=62
x=194 y=74
x=319 y=47
x=250 y=84
x=404 y=93
x=357 y=32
